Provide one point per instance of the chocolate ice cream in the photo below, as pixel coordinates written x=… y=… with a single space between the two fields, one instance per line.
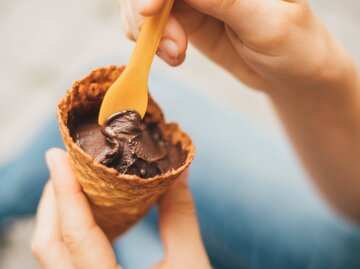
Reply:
x=127 y=143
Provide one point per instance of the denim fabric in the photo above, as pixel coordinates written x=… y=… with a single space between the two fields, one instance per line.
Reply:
x=22 y=179
x=256 y=207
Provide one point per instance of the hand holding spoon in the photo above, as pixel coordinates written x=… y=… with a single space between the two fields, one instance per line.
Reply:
x=130 y=90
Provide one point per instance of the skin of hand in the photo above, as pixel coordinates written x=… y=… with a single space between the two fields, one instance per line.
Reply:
x=67 y=236
x=281 y=48
x=265 y=44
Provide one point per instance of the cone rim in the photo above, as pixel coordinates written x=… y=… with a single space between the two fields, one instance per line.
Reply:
x=63 y=103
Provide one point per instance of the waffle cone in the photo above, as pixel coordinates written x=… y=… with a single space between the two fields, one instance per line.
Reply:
x=117 y=200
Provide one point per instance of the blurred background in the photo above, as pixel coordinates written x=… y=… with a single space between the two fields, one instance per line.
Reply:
x=46 y=45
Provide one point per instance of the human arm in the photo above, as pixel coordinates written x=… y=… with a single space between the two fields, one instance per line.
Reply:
x=67 y=236
x=282 y=49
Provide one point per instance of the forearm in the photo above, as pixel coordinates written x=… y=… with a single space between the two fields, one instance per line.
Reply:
x=323 y=122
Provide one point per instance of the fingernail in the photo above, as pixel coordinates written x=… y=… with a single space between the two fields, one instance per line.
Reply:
x=166 y=58
x=170 y=48
x=142 y=5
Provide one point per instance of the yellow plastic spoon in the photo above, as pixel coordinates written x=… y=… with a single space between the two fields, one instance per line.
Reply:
x=130 y=90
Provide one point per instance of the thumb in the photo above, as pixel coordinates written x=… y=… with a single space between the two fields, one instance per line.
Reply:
x=86 y=242
x=179 y=228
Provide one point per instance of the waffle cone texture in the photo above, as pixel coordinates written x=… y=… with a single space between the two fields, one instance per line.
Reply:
x=117 y=200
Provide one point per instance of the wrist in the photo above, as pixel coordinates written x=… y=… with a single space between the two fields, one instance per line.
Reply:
x=332 y=68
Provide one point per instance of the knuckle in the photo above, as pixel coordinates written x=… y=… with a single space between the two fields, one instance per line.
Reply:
x=300 y=15
x=38 y=249
x=70 y=240
x=214 y=7
x=185 y=207
x=291 y=15
x=275 y=39
x=185 y=213
x=274 y=35
x=34 y=248
x=74 y=238
x=281 y=27
x=227 y=4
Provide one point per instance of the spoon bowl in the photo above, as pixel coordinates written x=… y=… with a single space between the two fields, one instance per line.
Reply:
x=130 y=90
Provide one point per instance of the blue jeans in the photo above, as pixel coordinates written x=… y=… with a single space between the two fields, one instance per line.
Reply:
x=256 y=207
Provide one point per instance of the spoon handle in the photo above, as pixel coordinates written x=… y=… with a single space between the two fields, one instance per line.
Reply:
x=149 y=38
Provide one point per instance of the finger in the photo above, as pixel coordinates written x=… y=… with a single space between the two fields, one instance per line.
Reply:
x=46 y=243
x=174 y=42
x=231 y=11
x=172 y=47
x=169 y=61
x=179 y=228
x=245 y=73
x=73 y=207
x=125 y=24
x=205 y=32
x=133 y=18
x=47 y=220
x=262 y=13
x=87 y=244
x=149 y=7
x=221 y=9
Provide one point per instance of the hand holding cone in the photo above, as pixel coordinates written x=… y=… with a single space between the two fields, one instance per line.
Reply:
x=117 y=200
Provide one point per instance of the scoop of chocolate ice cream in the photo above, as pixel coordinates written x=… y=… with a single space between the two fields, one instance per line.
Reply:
x=128 y=144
